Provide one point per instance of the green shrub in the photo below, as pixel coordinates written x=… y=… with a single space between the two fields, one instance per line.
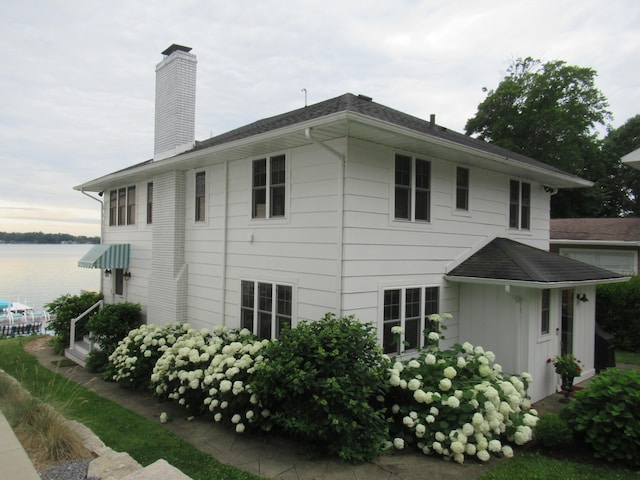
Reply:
x=107 y=328
x=131 y=363
x=552 y=432
x=64 y=309
x=618 y=312
x=323 y=383
x=607 y=414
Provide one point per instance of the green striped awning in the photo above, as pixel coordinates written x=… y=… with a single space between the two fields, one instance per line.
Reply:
x=106 y=256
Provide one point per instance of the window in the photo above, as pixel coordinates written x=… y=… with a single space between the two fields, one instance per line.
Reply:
x=265 y=308
x=519 y=205
x=412 y=189
x=408 y=308
x=462 y=188
x=544 y=312
x=131 y=205
x=113 y=207
x=268 y=187
x=200 y=196
x=122 y=206
x=150 y=202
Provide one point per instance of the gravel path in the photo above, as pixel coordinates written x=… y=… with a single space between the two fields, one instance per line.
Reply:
x=70 y=470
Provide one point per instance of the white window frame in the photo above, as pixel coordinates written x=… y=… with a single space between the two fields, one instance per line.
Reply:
x=274 y=313
x=197 y=208
x=423 y=316
x=520 y=207
x=269 y=188
x=466 y=188
x=128 y=218
x=413 y=189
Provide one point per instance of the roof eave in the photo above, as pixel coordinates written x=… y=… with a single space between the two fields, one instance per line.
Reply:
x=534 y=284
x=595 y=243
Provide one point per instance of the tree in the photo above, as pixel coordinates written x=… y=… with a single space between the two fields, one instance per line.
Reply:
x=621 y=182
x=549 y=112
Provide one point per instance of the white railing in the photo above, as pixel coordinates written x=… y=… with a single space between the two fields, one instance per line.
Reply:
x=72 y=330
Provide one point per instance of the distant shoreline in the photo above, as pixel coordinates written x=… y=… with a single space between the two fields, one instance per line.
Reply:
x=40 y=238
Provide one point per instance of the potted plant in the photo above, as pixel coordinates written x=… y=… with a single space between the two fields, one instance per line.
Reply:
x=568 y=367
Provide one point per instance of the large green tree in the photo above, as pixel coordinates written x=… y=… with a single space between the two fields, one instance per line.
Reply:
x=549 y=111
x=621 y=183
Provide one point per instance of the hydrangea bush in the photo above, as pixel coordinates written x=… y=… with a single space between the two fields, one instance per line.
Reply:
x=458 y=403
x=209 y=371
x=132 y=362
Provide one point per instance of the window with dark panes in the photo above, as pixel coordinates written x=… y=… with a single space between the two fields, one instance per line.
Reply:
x=113 y=207
x=412 y=198
x=408 y=308
x=131 y=205
x=150 y=202
x=462 y=188
x=545 y=320
x=200 y=196
x=266 y=308
x=519 y=205
x=277 y=186
x=122 y=206
x=259 y=192
x=403 y=187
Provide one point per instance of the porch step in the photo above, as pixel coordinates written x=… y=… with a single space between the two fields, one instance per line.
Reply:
x=80 y=352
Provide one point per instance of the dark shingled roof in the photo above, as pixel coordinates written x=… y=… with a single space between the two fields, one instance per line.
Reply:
x=508 y=260
x=365 y=106
x=604 y=229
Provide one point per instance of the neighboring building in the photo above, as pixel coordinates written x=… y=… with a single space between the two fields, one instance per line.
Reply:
x=347 y=206
x=610 y=243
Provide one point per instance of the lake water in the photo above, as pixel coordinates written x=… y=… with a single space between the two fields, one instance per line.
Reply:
x=37 y=274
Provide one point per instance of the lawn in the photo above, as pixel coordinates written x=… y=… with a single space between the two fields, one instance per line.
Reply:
x=146 y=441
x=628 y=358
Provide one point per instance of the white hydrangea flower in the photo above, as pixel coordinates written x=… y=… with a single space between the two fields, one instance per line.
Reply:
x=414 y=384
x=413 y=363
x=445 y=384
x=453 y=402
x=450 y=372
x=398 y=443
x=430 y=359
x=483 y=455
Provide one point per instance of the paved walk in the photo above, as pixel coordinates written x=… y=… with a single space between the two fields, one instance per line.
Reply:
x=265 y=455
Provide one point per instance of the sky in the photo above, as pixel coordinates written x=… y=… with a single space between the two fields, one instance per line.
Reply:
x=77 y=78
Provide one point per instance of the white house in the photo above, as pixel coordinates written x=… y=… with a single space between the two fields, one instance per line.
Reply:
x=345 y=206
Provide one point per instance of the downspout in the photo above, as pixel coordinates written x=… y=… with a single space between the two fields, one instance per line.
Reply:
x=101 y=228
x=340 y=242
x=224 y=243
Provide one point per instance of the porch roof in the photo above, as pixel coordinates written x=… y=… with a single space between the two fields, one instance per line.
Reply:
x=507 y=262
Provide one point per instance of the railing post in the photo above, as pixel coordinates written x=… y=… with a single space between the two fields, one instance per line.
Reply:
x=72 y=328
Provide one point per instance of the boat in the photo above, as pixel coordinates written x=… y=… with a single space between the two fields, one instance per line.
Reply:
x=19 y=319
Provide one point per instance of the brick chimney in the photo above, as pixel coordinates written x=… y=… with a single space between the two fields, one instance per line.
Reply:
x=175 y=102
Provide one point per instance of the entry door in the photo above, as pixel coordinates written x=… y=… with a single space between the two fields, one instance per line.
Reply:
x=566 y=337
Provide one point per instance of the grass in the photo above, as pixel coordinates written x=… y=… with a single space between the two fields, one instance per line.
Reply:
x=533 y=466
x=145 y=440
x=43 y=432
x=629 y=358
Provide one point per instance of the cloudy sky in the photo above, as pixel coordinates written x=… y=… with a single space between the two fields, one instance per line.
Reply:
x=77 y=77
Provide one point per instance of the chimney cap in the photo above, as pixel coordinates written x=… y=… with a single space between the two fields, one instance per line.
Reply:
x=175 y=48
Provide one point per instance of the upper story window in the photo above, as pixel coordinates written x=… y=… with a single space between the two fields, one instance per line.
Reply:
x=268 y=187
x=462 y=188
x=519 y=205
x=200 y=196
x=408 y=308
x=150 y=202
x=122 y=206
x=545 y=309
x=412 y=189
x=265 y=308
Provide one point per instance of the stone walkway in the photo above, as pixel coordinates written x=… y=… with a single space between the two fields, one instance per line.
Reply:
x=269 y=456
